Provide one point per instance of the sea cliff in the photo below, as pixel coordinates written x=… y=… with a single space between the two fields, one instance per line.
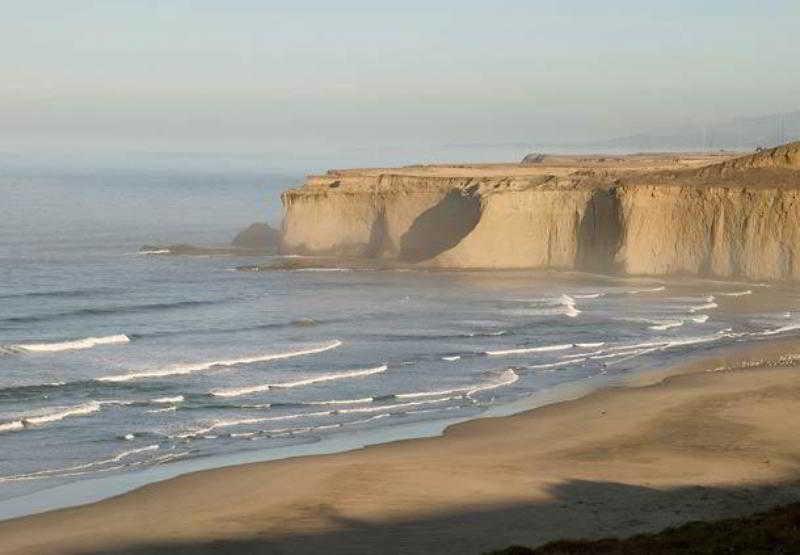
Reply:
x=715 y=216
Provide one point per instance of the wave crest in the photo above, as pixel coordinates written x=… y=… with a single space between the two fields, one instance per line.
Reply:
x=239 y=391
x=202 y=366
x=77 y=344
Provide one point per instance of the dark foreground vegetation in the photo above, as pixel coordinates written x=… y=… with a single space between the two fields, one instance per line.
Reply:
x=774 y=532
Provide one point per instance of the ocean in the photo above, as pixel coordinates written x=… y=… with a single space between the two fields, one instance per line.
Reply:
x=113 y=362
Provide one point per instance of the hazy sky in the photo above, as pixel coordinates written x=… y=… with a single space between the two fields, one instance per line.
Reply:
x=260 y=76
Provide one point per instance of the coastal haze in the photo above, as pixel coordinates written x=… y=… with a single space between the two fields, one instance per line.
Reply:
x=310 y=86
x=473 y=214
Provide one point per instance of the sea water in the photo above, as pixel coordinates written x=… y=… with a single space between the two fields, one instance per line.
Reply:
x=113 y=361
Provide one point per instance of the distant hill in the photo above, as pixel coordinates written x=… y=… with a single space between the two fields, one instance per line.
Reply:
x=737 y=134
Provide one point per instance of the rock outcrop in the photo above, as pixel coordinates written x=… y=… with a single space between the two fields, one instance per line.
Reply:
x=258 y=237
x=668 y=214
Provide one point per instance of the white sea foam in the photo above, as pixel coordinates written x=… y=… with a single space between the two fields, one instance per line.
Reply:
x=238 y=391
x=639 y=349
x=155 y=251
x=202 y=366
x=708 y=305
x=394 y=407
x=367 y=420
x=554 y=364
x=167 y=400
x=782 y=329
x=508 y=377
x=564 y=305
x=637 y=346
x=661 y=326
x=632 y=352
x=293 y=431
x=695 y=340
x=737 y=293
x=173 y=408
x=525 y=350
x=70 y=469
x=589 y=296
x=169 y=457
x=590 y=345
x=86 y=343
x=12 y=426
x=246 y=421
x=582 y=355
x=700 y=319
x=79 y=410
x=569 y=306
x=360 y=401
x=56 y=414
x=634 y=355
x=650 y=290
x=452 y=358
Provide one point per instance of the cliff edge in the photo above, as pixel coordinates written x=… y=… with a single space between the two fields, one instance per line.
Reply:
x=696 y=214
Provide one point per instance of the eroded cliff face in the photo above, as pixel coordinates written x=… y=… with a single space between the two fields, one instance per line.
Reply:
x=716 y=231
x=392 y=216
x=735 y=219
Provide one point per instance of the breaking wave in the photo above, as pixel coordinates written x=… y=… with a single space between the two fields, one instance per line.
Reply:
x=569 y=306
x=525 y=350
x=662 y=326
x=245 y=421
x=650 y=290
x=77 y=344
x=507 y=377
x=59 y=413
x=554 y=364
x=239 y=391
x=182 y=369
x=91 y=465
x=392 y=407
x=782 y=329
x=588 y=296
x=707 y=305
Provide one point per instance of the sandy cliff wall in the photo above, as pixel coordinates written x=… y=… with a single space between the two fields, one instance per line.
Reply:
x=712 y=232
x=406 y=217
x=730 y=220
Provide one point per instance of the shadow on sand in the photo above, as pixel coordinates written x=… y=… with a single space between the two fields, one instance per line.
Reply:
x=578 y=509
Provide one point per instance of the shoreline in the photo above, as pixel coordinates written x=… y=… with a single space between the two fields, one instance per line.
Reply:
x=395 y=490
x=96 y=489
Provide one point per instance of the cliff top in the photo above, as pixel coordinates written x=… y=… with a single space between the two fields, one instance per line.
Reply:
x=558 y=165
x=775 y=168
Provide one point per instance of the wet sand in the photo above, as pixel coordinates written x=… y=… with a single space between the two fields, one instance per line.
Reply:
x=707 y=440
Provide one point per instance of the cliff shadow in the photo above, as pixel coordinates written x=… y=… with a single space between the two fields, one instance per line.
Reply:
x=377 y=237
x=441 y=227
x=575 y=509
x=600 y=233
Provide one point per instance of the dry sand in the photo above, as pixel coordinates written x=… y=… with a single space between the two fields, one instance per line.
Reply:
x=700 y=444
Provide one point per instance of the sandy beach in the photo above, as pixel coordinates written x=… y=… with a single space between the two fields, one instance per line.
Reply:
x=708 y=440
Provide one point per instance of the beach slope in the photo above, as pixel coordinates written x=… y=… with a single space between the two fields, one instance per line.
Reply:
x=706 y=444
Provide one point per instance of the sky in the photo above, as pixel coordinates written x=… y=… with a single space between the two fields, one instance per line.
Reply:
x=370 y=80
